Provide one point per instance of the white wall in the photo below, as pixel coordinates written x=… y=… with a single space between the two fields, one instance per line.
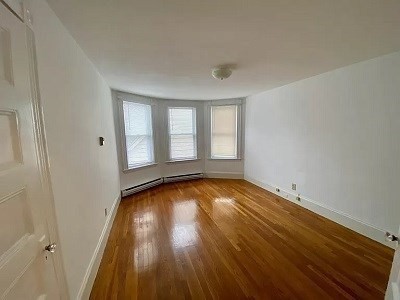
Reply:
x=214 y=168
x=337 y=136
x=77 y=109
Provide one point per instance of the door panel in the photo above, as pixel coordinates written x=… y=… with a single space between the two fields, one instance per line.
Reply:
x=5 y=55
x=10 y=148
x=26 y=270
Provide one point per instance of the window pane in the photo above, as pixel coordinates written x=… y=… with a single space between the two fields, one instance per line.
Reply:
x=182 y=133
x=182 y=146
x=138 y=133
x=224 y=131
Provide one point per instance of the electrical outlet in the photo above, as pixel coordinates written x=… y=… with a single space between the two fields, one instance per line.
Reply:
x=278 y=190
x=105 y=212
x=294 y=186
x=298 y=198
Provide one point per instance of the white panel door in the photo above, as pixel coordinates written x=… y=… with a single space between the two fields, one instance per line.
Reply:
x=26 y=269
x=393 y=288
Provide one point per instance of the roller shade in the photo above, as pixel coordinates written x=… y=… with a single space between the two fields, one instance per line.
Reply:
x=224 y=131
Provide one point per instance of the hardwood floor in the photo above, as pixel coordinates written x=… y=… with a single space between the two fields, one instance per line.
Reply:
x=229 y=239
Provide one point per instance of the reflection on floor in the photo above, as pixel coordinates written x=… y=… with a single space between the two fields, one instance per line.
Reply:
x=228 y=239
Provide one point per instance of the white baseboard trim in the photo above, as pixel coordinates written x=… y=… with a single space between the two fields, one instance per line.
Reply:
x=91 y=272
x=339 y=217
x=226 y=175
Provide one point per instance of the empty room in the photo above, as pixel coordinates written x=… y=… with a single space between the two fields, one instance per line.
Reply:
x=188 y=149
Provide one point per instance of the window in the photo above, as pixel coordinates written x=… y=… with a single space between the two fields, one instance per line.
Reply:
x=182 y=133
x=224 y=132
x=138 y=134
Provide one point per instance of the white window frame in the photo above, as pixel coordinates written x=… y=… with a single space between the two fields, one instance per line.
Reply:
x=239 y=123
x=124 y=154
x=194 y=112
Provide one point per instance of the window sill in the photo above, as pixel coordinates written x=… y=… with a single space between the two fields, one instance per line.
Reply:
x=132 y=169
x=225 y=159
x=182 y=160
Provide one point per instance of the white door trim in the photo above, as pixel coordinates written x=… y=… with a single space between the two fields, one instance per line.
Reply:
x=43 y=158
x=392 y=290
x=15 y=6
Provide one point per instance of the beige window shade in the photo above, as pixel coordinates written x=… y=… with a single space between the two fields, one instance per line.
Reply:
x=224 y=131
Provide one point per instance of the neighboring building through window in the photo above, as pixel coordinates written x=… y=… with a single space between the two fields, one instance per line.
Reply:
x=224 y=132
x=138 y=134
x=182 y=133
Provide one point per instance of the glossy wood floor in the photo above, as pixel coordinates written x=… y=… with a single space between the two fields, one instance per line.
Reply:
x=229 y=239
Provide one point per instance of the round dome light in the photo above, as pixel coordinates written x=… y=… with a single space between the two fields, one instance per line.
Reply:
x=221 y=73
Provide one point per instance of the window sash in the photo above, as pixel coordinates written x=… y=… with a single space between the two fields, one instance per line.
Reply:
x=227 y=138
x=176 y=137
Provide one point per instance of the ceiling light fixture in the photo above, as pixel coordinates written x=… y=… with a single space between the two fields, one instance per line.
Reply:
x=221 y=73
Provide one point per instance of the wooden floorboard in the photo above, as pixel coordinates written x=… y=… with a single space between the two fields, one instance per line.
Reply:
x=229 y=239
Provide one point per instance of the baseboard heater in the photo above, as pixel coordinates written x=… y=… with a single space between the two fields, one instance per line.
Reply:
x=150 y=184
x=141 y=187
x=183 y=177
